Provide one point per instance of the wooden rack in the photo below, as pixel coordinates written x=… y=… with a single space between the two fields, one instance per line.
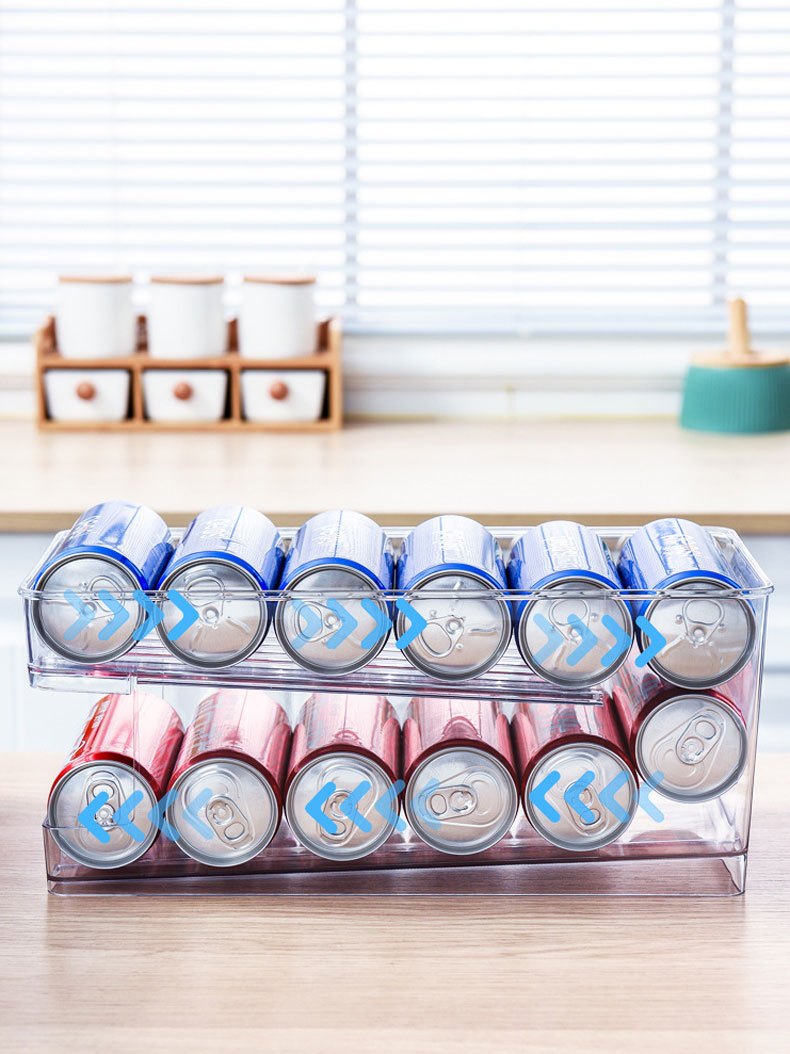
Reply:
x=327 y=358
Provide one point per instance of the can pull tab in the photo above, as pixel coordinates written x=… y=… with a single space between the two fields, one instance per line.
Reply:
x=699 y=737
x=450 y=802
x=566 y=612
x=316 y=622
x=227 y=821
x=343 y=828
x=702 y=616
x=442 y=634
x=586 y=810
x=206 y=594
x=105 y=783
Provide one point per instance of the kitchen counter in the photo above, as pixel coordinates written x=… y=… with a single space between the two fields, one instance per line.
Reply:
x=446 y=975
x=503 y=473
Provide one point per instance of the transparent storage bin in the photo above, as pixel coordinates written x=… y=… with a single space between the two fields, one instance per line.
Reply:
x=695 y=849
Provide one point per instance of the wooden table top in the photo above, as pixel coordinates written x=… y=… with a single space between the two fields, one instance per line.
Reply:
x=418 y=974
x=506 y=473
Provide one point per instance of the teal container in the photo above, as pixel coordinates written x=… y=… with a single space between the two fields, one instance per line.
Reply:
x=737 y=399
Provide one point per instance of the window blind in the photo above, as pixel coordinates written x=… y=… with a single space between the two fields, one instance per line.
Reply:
x=442 y=166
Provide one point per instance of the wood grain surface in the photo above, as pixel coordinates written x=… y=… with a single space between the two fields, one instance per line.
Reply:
x=505 y=473
x=389 y=974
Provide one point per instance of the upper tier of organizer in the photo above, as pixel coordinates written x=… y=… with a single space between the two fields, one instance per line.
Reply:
x=356 y=640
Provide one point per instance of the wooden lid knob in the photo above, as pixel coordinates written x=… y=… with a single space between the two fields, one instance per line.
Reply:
x=738 y=344
x=183 y=391
x=85 y=391
x=279 y=390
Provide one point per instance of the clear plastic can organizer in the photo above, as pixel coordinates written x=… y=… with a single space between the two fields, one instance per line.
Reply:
x=468 y=732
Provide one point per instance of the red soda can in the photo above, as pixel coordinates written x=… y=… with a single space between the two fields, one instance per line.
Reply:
x=340 y=743
x=129 y=744
x=461 y=793
x=225 y=798
x=559 y=745
x=692 y=745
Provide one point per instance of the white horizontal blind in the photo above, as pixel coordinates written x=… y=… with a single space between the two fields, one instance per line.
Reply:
x=533 y=166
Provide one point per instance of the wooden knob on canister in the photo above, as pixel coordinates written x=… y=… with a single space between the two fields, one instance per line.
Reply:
x=183 y=391
x=279 y=390
x=738 y=343
x=85 y=391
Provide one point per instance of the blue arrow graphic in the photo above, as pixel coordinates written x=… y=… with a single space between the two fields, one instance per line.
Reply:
x=655 y=637
x=155 y=615
x=381 y=619
x=384 y=805
x=314 y=808
x=651 y=784
x=122 y=816
x=420 y=805
x=158 y=816
x=555 y=640
x=304 y=612
x=85 y=613
x=538 y=796
x=418 y=623
x=191 y=810
x=572 y=797
x=189 y=615
x=119 y=612
x=588 y=642
x=622 y=641
x=88 y=817
x=607 y=797
x=349 y=807
x=347 y=624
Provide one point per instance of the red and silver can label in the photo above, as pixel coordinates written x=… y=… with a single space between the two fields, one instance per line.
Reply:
x=696 y=740
x=343 y=746
x=129 y=744
x=578 y=786
x=225 y=799
x=460 y=788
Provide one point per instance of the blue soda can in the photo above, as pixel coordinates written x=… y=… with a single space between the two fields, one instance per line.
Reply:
x=114 y=548
x=226 y=557
x=452 y=573
x=710 y=633
x=570 y=569
x=331 y=617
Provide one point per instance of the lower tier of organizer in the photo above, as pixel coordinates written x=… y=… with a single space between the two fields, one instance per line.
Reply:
x=693 y=851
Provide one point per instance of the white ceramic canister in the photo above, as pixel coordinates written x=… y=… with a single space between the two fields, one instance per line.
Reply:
x=277 y=318
x=186 y=318
x=95 y=317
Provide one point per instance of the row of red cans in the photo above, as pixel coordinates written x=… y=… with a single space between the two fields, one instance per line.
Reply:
x=457 y=769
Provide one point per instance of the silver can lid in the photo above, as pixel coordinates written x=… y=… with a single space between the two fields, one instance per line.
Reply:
x=77 y=789
x=465 y=635
x=311 y=628
x=87 y=577
x=233 y=615
x=594 y=823
x=709 y=637
x=223 y=811
x=563 y=610
x=340 y=838
x=697 y=742
x=461 y=800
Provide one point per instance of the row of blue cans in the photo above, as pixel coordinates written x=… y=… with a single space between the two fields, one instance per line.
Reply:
x=560 y=592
